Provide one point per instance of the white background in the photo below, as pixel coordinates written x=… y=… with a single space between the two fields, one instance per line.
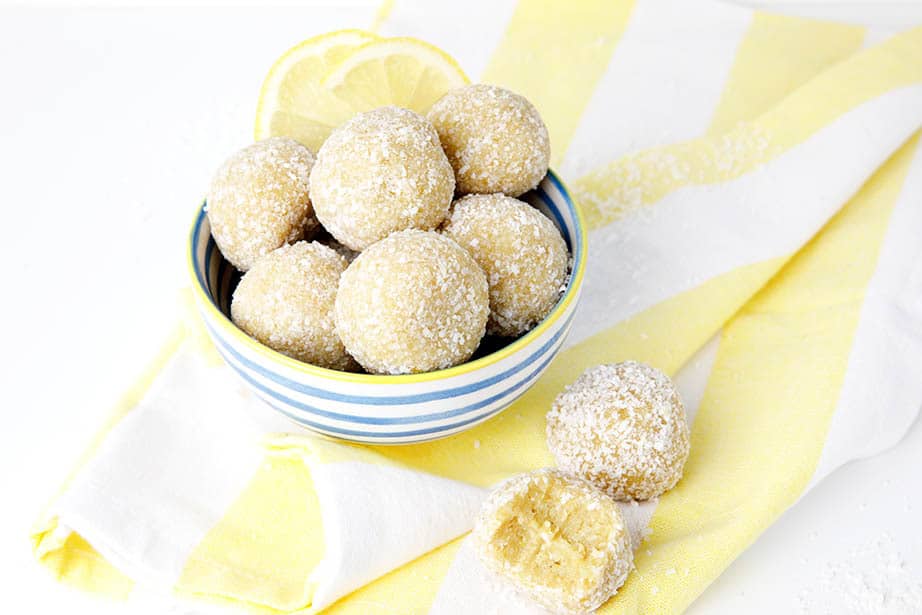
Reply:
x=111 y=122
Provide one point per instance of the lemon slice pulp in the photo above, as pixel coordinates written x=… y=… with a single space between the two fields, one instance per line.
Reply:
x=397 y=71
x=293 y=102
x=324 y=81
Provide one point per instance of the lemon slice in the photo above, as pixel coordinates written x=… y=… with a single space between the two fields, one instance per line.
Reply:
x=325 y=80
x=405 y=72
x=293 y=101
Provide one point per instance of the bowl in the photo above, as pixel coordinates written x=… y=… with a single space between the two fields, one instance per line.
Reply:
x=386 y=409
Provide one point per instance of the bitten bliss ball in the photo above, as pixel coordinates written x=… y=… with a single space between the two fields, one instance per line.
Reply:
x=258 y=200
x=522 y=253
x=413 y=302
x=556 y=538
x=382 y=171
x=495 y=139
x=286 y=302
x=621 y=427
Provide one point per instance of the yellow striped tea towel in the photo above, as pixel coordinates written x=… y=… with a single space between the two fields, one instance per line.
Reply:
x=754 y=195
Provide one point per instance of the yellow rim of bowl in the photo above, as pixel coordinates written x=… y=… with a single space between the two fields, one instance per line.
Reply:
x=231 y=329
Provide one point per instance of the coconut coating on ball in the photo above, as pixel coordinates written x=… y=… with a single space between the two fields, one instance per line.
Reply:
x=522 y=253
x=623 y=428
x=495 y=139
x=413 y=302
x=557 y=539
x=286 y=302
x=382 y=171
x=258 y=200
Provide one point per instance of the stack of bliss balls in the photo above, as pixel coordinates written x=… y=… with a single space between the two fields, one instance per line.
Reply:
x=402 y=243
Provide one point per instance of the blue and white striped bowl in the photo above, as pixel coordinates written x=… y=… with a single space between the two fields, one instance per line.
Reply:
x=383 y=409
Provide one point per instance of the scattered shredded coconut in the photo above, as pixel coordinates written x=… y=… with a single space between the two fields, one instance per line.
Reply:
x=520 y=250
x=380 y=172
x=623 y=428
x=413 y=302
x=286 y=302
x=559 y=540
x=495 y=139
x=258 y=200
x=628 y=183
x=874 y=580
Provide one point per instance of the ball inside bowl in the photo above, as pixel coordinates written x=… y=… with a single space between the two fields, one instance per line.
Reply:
x=382 y=409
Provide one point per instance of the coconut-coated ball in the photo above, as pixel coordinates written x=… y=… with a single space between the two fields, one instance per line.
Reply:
x=258 y=200
x=380 y=172
x=623 y=428
x=522 y=253
x=495 y=139
x=286 y=302
x=556 y=538
x=413 y=302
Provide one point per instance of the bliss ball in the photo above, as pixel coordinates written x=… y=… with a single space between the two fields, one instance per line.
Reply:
x=520 y=250
x=413 y=302
x=621 y=427
x=259 y=200
x=286 y=302
x=556 y=538
x=495 y=139
x=382 y=171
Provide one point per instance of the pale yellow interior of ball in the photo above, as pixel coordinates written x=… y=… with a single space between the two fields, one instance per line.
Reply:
x=550 y=537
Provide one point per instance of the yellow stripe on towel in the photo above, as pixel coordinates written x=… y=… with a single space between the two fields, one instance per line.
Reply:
x=543 y=43
x=73 y=561
x=666 y=334
x=761 y=426
x=763 y=72
x=265 y=546
x=641 y=179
